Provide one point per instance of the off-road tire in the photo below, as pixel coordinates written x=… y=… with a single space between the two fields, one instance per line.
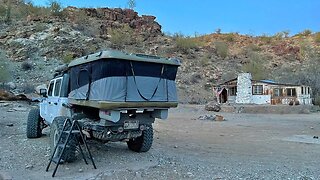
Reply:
x=142 y=143
x=34 y=124
x=56 y=127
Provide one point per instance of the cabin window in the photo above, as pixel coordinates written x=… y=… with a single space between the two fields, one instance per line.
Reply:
x=233 y=91
x=302 y=90
x=257 y=89
x=291 y=92
x=277 y=92
x=308 y=90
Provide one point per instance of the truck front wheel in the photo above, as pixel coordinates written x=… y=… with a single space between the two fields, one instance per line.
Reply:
x=34 y=121
x=142 y=143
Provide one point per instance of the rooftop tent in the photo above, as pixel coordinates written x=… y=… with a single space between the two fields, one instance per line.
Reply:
x=114 y=76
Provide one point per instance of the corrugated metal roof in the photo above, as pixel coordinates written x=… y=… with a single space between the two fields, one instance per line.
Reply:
x=271 y=82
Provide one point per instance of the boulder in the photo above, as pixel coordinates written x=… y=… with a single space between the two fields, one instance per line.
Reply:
x=12 y=85
x=213 y=106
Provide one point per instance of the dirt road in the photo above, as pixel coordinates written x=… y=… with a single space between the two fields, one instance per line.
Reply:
x=245 y=146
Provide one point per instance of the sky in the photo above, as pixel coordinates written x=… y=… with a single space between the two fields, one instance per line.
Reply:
x=190 y=17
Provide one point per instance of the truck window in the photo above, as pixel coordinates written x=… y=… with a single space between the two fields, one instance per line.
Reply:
x=50 y=88
x=57 y=87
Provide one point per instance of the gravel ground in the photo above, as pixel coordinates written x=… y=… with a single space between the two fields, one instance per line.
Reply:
x=245 y=146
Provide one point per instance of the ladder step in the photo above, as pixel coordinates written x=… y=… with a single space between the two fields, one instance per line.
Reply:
x=72 y=132
x=75 y=129
x=60 y=145
x=56 y=159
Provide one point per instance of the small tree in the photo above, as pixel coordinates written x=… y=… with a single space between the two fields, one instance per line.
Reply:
x=8 y=14
x=55 y=8
x=255 y=66
x=132 y=4
x=222 y=49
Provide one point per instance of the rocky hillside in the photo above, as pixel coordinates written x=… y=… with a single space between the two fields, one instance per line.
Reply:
x=34 y=43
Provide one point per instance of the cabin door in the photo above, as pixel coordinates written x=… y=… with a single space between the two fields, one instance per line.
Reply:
x=224 y=96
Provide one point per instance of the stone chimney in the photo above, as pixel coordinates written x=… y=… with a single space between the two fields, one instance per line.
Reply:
x=244 y=89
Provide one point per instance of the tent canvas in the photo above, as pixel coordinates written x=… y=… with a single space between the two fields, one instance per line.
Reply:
x=123 y=80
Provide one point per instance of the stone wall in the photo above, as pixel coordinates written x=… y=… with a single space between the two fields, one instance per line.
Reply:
x=244 y=89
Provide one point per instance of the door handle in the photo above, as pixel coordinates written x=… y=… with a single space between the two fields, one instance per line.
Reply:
x=55 y=103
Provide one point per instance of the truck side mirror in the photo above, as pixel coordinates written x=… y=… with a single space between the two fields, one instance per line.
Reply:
x=43 y=92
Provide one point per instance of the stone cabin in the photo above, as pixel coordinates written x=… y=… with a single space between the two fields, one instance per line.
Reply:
x=244 y=90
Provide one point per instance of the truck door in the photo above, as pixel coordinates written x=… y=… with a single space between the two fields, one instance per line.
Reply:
x=44 y=105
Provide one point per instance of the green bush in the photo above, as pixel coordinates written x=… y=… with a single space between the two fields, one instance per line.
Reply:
x=253 y=47
x=306 y=32
x=55 y=8
x=230 y=37
x=4 y=72
x=68 y=57
x=40 y=27
x=184 y=44
x=222 y=49
x=121 y=37
x=3 y=11
x=26 y=66
x=255 y=66
x=317 y=100
x=317 y=37
x=266 y=39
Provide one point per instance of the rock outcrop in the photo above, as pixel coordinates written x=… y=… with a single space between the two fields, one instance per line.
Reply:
x=116 y=17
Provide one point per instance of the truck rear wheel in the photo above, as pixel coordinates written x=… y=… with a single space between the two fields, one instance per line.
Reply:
x=142 y=143
x=34 y=124
x=55 y=131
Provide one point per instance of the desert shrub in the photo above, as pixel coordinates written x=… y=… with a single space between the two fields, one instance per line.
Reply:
x=36 y=10
x=184 y=44
x=121 y=37
x=222 y=49
x=306 y=32
x=255 y=66
x=26 y=66
x=204 y=61
x=4 y=73
x=218 y=31
x=40 y=27
x=278 y=36
x=132 y=4
x=306 y=75
x=307 y=51
x=316 y=100
x=68 y=57
x=55 y=8
x=317 y=37
x=230 y=37
x=286 y=33
x=266 y=39
x=253 y=47
x=3 y=11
